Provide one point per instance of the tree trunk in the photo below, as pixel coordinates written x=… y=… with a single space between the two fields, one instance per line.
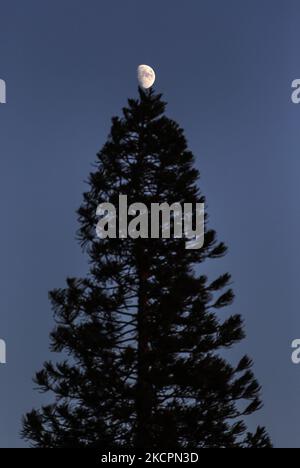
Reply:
x=144 y=394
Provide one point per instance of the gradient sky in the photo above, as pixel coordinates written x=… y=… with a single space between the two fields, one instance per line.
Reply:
x=225 y=69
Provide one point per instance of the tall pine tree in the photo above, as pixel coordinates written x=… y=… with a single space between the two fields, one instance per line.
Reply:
x=142 y=335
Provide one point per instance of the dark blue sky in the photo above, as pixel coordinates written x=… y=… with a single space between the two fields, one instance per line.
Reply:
x=226 y=69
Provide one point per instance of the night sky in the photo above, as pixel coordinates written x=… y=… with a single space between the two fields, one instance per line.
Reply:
x=225 y=69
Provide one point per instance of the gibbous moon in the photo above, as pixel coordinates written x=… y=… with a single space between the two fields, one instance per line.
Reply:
x=146 y=76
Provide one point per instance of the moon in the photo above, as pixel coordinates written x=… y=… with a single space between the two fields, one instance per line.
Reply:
x=146 y=76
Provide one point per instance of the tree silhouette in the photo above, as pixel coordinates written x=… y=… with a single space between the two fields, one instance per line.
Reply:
x=141 y=337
